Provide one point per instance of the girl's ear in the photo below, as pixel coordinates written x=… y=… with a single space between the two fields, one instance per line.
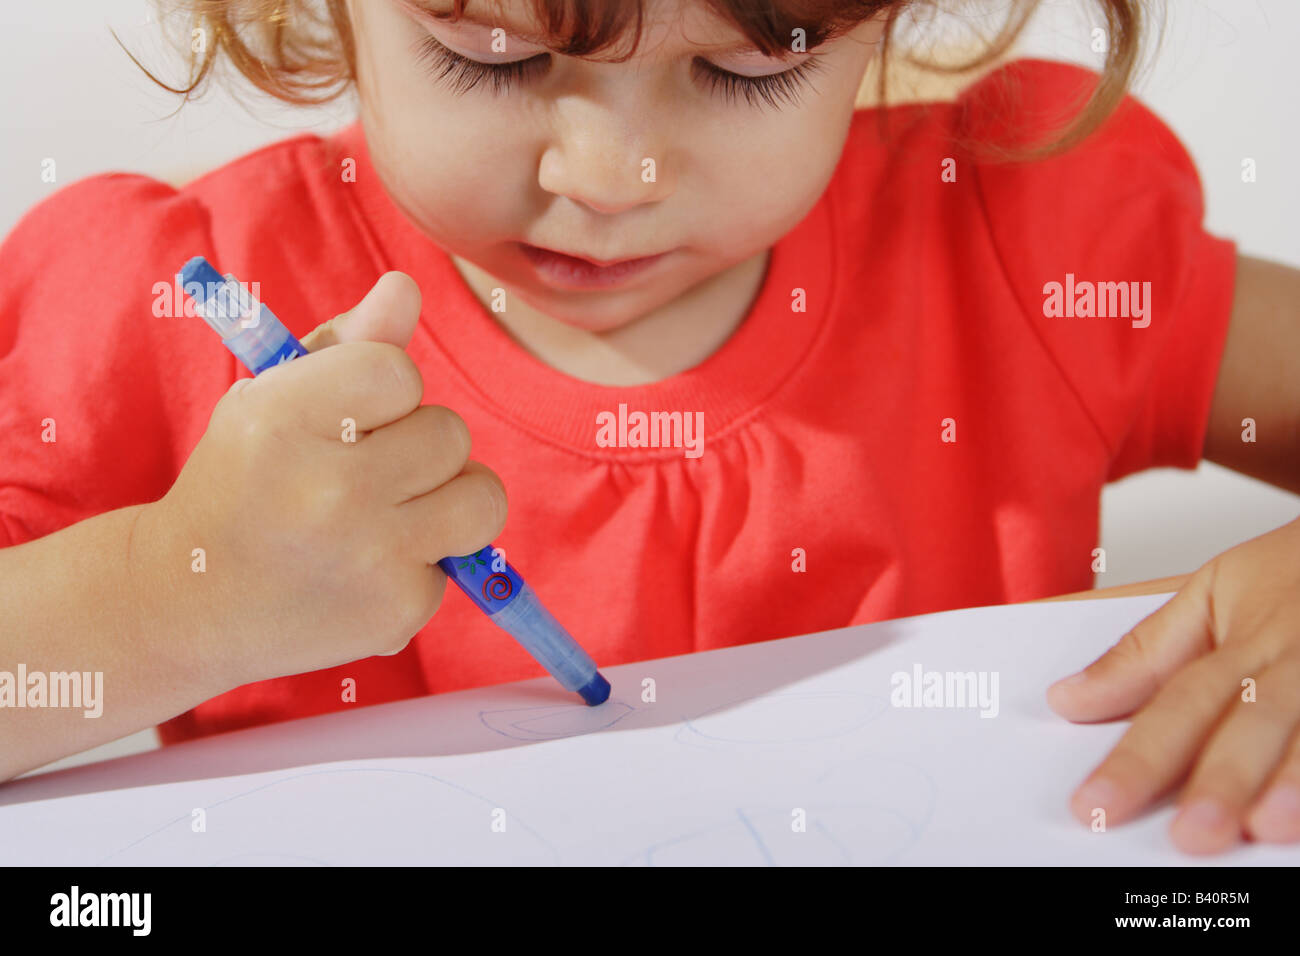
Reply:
x=387 y=313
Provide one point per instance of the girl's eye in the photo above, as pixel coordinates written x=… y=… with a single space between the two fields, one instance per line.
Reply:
x=773 y=89
x=464 y=74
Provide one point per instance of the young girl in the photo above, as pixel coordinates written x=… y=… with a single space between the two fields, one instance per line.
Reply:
x=887 y=368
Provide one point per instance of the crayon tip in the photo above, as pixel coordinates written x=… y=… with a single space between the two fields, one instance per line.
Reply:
x=595 y=691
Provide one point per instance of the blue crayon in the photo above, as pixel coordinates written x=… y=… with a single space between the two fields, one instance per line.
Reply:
x=260 y=341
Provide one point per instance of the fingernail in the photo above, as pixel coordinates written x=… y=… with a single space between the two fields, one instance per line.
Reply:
x=1096 y=794
x=1074 y=680
x=1280 y=808
x=1202 y=815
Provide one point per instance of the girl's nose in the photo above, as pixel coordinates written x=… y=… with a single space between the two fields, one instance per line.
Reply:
x=605 y=161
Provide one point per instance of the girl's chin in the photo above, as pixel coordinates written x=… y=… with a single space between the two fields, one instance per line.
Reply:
x=594 y=317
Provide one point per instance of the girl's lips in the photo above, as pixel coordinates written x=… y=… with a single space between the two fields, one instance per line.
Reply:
x=570 y=272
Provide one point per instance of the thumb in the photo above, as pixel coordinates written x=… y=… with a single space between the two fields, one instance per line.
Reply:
x=1124 y=678
x=387 y=313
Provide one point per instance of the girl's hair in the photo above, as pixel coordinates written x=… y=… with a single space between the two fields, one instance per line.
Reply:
x=303 y=51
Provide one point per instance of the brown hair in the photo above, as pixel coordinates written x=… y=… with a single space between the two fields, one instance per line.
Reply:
x=303 y=51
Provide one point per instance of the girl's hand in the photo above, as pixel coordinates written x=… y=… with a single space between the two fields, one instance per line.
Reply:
x=1213 y=678
x=321 y=496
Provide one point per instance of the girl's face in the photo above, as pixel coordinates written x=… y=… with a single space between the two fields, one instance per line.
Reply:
x=698 y=150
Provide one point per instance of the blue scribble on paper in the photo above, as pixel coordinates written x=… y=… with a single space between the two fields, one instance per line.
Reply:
x=554 y=723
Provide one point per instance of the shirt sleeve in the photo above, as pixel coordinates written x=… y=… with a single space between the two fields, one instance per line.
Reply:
x=1105 y=249
x=106 y=384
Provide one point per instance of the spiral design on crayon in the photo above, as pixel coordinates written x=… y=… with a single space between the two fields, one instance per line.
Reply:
x=497 y=588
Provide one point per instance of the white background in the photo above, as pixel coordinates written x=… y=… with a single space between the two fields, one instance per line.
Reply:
x=1225 y=79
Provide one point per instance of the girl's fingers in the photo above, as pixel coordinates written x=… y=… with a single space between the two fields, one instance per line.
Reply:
x=1241 y=754
x=1275 y=815
x=461 y=517
x=415 y=454
x=1164 y=739
x=388 y=313
x=1126 y=676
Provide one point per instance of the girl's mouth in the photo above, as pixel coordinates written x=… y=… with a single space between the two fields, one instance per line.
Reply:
x=564 y=271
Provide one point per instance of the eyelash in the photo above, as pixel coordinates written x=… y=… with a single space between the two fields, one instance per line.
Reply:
x=775 y=89
x=464 y=74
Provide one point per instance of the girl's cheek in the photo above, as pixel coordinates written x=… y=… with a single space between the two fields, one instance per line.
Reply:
x=465 y=209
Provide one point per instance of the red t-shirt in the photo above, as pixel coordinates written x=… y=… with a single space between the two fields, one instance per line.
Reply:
x=823 y=429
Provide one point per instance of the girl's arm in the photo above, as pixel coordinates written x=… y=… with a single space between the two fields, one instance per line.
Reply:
x=1259 y=378
x=91 y=600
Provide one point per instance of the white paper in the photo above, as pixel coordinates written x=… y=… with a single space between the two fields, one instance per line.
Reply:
x=738 y=747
